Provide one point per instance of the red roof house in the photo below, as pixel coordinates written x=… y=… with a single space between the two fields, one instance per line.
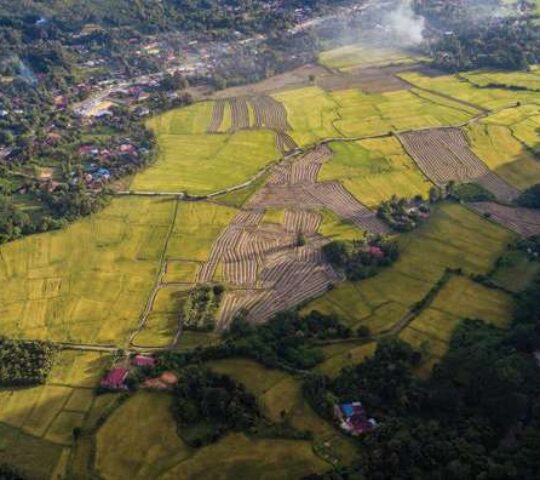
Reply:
x=115 y=378
x=143 y=361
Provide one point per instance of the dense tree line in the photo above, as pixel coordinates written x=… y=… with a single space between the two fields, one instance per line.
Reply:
x=206 y=405
x=530 y=198
x=363 y=258
x=404 y=215
x=9 y=473
x=286 y=341
x=469 y=34
x=477 y=417
x=25 y=363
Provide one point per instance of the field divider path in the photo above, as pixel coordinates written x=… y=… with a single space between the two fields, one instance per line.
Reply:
x=159 y=278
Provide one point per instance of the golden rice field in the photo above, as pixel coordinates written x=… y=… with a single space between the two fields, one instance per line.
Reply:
x=87 y=283
x=203 y=163
x=490 y=98
x=504 y=154
x=375 y=170
x=36 y=424
x=309 y=124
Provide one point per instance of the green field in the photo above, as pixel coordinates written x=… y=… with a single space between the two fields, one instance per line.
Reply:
x=362 y=114
x=375 y=170
x=454 y=238
x=460 y=298
x=490 y=98
x=86 y=283
x=204 y=163
x=504 y=154
x=146 y=445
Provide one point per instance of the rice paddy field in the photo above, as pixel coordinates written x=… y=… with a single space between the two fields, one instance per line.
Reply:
x=361 y=114
x=203 y=163
x=453 y=238
x=316 y=122
x=375 y=170
x=116 y=279
x=465 y=91
x=36 y=424
x=87 y=283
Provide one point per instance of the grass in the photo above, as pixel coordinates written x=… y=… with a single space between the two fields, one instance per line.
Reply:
x=454 y=238
x=309 y=124
x=274 y=215
x=194 y=119
x=375 y=170
x=197 y=226
x=504 y=154
x=182 y=271
x=86 y=283
x=279 y=395
x=362 y=55
x=201 y=163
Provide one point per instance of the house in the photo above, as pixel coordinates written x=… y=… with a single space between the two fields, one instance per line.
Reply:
x=143 y=361
x=376 y=252
x=353 y=418
x=115 y=379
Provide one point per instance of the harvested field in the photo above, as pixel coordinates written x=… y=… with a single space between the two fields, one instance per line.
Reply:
x=217 y=116
x=262 y=261
x=524 y=221
x=298 y=77
x=369 y=80
x=240 y=114
x=284 y=142
x=443 y=154
x=269 y=113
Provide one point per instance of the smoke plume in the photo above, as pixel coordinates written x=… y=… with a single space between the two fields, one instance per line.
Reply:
x=404 y=25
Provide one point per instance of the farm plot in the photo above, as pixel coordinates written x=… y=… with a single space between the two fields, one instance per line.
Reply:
x=193 y=119
x=348 y=56
x=461 y=298
x=218 y=113
x=265 y=259
x=309 y=124
x=369 y=80
x=269 y=113
x=485 y=98
x=523 y=221
x=204 y=163
x=280 y=393
x=503 y=153
x=444 y=155
x=525 y=80
x=363 y=115
x=374 y=170
x=36 y=424
x=86 y=283
x=454 y=238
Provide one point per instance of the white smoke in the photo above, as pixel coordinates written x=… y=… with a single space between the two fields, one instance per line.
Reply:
x=404 y=25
